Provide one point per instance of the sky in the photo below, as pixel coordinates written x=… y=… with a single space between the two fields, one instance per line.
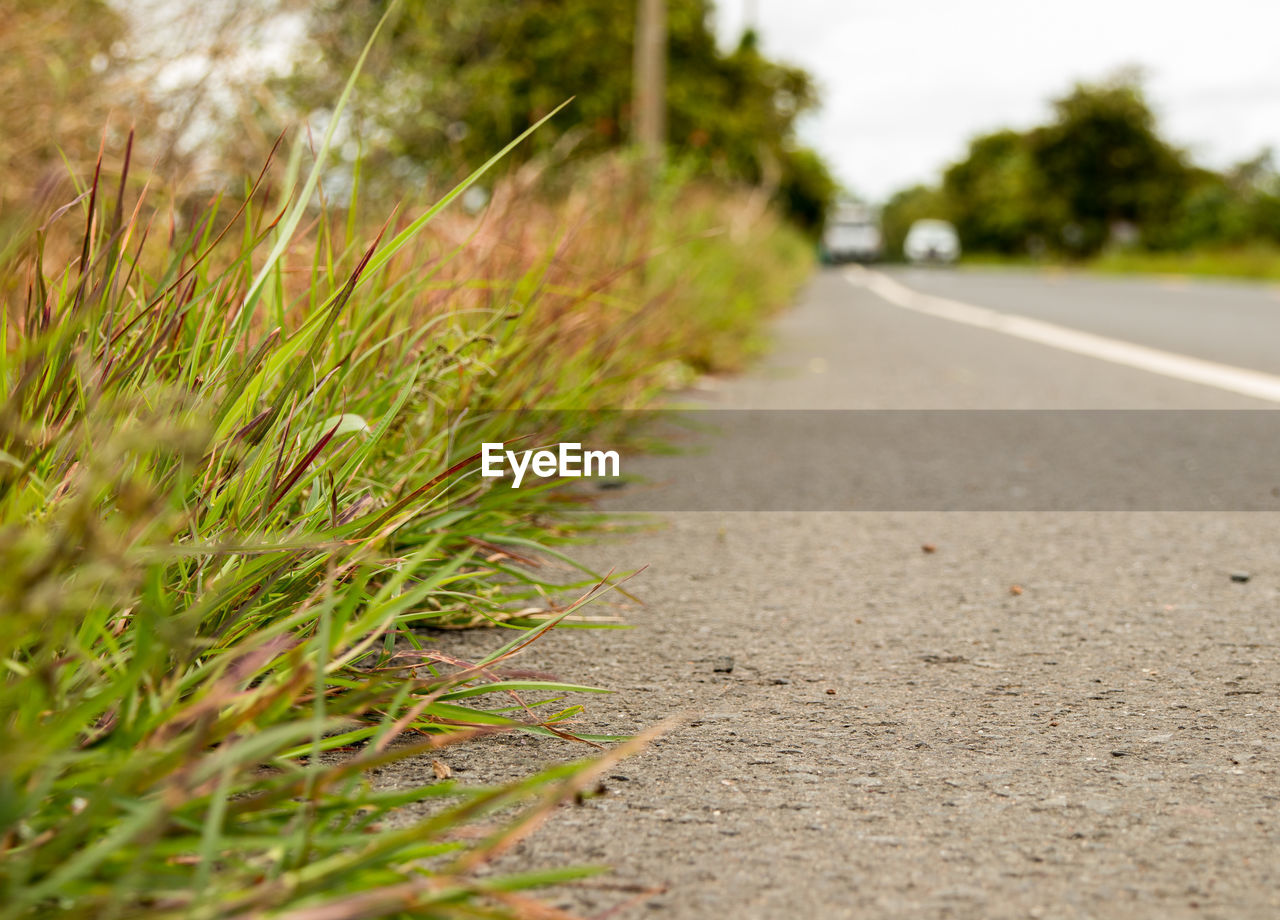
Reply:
x=907 y=83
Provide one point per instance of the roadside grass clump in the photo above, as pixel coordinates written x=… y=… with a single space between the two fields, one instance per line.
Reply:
x=1253 y=262
x=221 y=523
x=234 y=487
x=1257 y=262
x=640 y=283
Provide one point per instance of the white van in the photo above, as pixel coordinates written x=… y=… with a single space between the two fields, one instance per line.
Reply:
x=932 y=241
x=851 y=234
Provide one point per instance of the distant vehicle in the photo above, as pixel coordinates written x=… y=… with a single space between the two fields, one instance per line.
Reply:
x=932 y=241
x=851 y=234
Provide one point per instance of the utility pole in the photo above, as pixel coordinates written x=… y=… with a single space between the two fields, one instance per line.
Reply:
x=649 y=109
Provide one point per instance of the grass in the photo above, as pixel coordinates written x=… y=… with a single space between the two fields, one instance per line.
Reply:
x=234 y=488
x=1255 y=262
x=1258 y=262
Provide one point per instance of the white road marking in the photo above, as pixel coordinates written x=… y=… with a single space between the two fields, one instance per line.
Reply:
x=1166 y=363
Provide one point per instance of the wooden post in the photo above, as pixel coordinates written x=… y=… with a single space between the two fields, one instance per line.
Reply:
x=649 y=110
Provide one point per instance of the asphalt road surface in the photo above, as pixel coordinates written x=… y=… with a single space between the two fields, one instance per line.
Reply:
x=1050 y=714
x=1238 y=324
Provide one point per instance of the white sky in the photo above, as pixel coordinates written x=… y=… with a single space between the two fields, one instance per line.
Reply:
x=906 y=83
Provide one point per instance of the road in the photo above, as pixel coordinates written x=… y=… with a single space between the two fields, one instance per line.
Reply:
x=1236 y=324
x=1051 y=714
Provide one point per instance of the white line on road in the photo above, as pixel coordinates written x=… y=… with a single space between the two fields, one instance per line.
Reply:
x=1179 y=367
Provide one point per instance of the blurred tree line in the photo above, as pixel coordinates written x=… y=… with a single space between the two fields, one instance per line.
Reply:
x=209 y=84
x=451 y=83
x=1098 y=175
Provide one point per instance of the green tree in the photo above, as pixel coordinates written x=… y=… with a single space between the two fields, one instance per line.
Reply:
x=807 y=189
x=1256 y=183
x=990 y=194
x=452 y=82
x=1211 y=212
x=1101 y=162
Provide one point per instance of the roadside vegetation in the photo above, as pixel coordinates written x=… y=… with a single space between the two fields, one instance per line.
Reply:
x=445 y=89
x=1256 y=262
x=1098 y=186
x=234 y=502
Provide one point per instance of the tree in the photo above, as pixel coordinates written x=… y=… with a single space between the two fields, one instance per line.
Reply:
x=990 y=194
x=1100 y=163
x=1256 y=183
x=1097 y=173
x=449 y=84
x=807 y=189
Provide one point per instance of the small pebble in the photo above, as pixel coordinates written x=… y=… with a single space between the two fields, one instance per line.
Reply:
x=928 y=548
x=1240 y=577
x=723 y=665
x=1015 y=590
